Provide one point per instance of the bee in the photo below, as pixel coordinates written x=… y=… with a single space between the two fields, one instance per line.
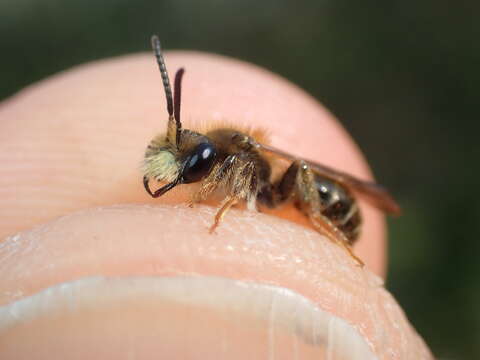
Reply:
x=237 y=164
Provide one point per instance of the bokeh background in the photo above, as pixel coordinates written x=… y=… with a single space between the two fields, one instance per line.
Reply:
x=403 y=77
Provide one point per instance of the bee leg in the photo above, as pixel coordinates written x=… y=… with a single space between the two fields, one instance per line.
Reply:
x=299 y=182
x=326 y=227
x=237 y=175
x=217 y=175
x=221 y=213
x=267 y=196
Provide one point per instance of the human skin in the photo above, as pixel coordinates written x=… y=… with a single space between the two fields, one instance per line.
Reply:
x=73 y=144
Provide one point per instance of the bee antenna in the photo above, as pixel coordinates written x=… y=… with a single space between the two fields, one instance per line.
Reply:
x=178 y=97
x=157 y=50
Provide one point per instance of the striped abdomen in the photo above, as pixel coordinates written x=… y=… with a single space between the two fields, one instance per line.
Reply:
x=339 y=207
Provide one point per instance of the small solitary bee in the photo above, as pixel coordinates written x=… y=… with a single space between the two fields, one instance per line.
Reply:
x=237 y=164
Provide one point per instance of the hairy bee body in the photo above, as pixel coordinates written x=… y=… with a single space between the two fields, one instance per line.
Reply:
x=242 y=170
x=238 y=164
x=336 y=201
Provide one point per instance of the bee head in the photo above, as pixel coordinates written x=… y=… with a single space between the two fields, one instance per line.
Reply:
x=169 y=164
x=180 y=156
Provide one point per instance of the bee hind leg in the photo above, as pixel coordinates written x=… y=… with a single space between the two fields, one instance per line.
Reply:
x=298 y=182
x=326 y=227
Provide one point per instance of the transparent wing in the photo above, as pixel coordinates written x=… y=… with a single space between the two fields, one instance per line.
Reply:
x=374 y=193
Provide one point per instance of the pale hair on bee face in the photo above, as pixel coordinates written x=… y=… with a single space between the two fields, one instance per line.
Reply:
x=160 y=162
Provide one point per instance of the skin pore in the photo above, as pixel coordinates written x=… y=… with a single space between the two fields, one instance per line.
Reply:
x=73 y=145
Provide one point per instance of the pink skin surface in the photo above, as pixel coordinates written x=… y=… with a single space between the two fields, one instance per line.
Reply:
x=76 y=141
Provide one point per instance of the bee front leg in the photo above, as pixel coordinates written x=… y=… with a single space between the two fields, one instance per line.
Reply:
x=237 y=176
x=215 y=178
x=219 y=176
x=228 y=203
x=298 y=182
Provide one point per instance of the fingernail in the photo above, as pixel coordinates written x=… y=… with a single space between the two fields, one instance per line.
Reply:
x=178 y=317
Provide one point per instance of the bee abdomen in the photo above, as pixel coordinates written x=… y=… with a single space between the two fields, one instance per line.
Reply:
x=339 y=207
x=351 y=227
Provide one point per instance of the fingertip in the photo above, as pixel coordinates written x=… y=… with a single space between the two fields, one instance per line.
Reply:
x=93 y=123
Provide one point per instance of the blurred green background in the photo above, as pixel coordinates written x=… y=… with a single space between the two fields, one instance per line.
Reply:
x=403 y=77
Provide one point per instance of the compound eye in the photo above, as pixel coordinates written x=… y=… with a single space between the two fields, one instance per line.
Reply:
x=199 y=163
